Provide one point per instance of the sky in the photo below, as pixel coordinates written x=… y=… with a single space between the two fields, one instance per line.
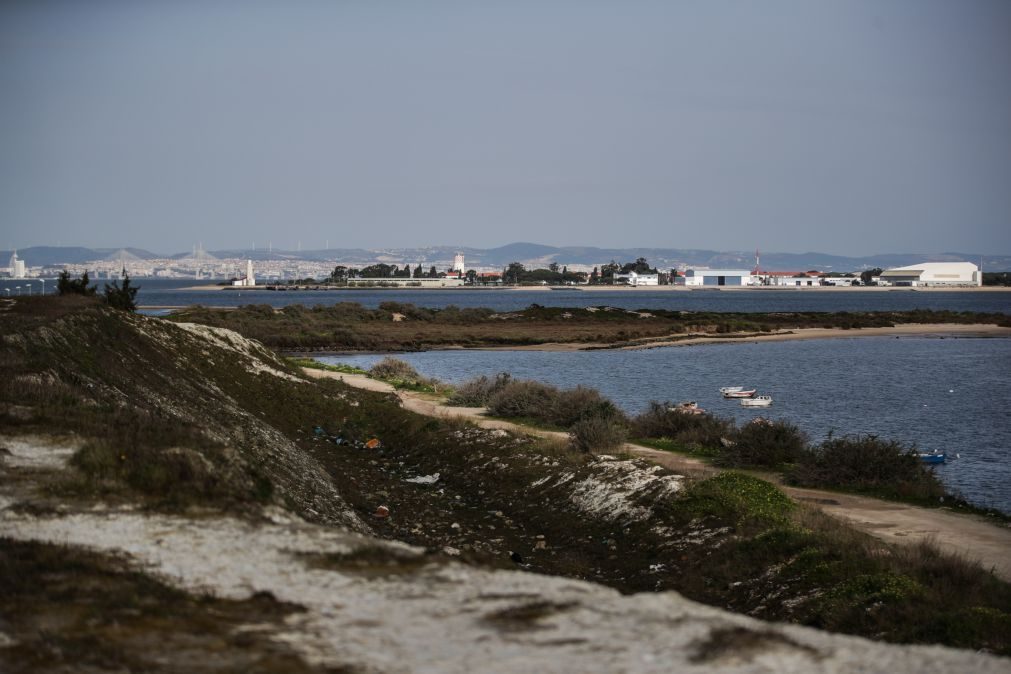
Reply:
x=849 y=127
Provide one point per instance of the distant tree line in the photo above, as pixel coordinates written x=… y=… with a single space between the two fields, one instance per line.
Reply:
x=996 y=278
x=515 y=273
x=342 y=273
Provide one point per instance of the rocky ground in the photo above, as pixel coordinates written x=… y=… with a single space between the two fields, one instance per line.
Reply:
x=211 y=592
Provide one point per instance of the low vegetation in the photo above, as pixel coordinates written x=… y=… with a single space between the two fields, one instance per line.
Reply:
x=594 y=423
x=867 y=464
x=68 y=609
x=314 y=364
x=698 y=433
x=837 y=578
x=395 y=326
x=764 y=444
x=864 y=464
x=477 y=392
x=174 y=420
x=117 y=296
x=402 y=375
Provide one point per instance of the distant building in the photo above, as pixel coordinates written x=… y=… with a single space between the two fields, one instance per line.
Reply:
x=934 y=274
x=791 y=279
x=248 y=279
x=716 y=277
x=458 y=263
x=488 y=278
x=17 y=266
x=635 y=279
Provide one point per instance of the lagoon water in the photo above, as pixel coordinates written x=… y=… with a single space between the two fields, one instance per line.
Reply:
x=941 y=394
x=175 y=292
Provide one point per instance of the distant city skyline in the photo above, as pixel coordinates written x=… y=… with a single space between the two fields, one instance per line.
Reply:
x=851 y=128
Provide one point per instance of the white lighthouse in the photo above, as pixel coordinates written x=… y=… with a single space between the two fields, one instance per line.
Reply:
x=458 y=263
x=249 y=279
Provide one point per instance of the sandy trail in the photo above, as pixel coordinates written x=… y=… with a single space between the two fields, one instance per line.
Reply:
x=956 y=533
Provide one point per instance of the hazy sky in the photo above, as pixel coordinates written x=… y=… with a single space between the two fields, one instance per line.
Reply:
x=848 y=127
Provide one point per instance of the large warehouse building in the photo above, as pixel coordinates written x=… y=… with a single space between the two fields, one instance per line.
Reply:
x=717 y=277
x=934 y=274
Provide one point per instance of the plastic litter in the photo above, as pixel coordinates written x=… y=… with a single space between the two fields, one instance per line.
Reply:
x=424 y=479
x=382 y=512
x=373 y=444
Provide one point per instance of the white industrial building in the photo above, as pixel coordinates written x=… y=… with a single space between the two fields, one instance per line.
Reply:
x=635 y=279
x=716 y=277
x=934 y=274
x=787 y=279
x=458 y=262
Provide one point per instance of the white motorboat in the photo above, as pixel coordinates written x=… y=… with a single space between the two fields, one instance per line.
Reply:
x=757 y=401
x=731 y=389
x=741 y=393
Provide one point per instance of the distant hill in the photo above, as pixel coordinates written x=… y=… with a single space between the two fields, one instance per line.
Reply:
x=530 y=254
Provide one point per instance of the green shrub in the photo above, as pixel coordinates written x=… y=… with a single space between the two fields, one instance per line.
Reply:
x=477 y=392
x=394 y=368
x=598 y=432
x=768 y=444
x=522 y=399
x=572 y=405
x=691 y=431
x=401 y=374
x=867 y=463
x=409 y=311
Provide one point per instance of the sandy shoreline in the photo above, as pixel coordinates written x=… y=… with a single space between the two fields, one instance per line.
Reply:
x=938 y=330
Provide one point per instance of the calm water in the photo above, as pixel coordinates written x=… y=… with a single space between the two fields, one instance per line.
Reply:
x=175 y=292
x=943 y=394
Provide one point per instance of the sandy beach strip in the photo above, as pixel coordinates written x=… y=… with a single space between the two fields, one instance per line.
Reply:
x=935 y=330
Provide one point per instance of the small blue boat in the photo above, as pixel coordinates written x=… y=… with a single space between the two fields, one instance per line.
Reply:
x=935 y=457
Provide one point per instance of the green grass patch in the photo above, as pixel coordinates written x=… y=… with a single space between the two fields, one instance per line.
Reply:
x=312 y=363
x=668 y=445
x=737 y=498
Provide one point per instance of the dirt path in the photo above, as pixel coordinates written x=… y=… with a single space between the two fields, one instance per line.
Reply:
x=956 y=533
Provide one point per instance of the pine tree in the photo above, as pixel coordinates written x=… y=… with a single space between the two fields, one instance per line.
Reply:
x=122 y=296
x=68 y=286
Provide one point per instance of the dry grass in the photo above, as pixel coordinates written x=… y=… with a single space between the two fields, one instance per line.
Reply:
x=68 y=609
